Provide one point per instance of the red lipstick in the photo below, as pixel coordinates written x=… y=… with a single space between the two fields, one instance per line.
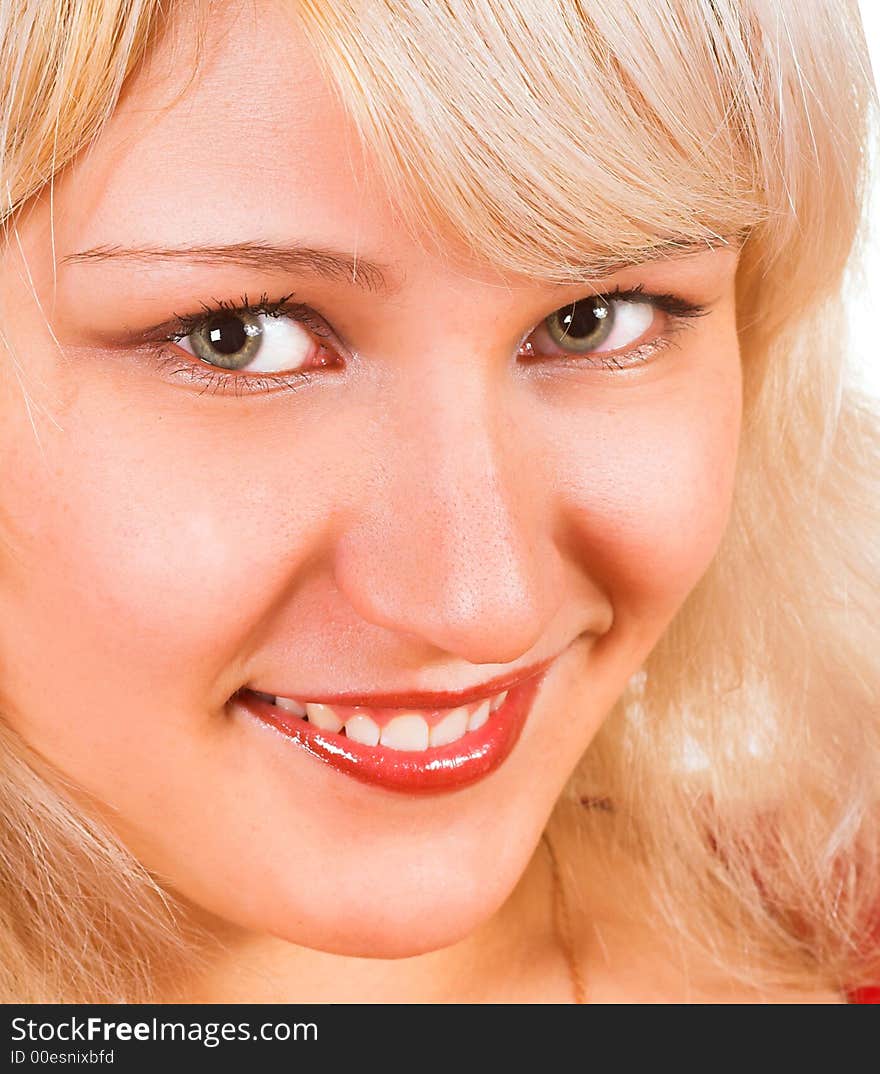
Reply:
x=425 y=699
x=432 y=770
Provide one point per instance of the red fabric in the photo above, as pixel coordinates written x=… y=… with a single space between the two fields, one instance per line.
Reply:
x=865 y=995
x=868 y=994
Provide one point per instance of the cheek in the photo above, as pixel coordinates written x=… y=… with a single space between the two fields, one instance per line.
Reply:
x=135 y=572
x=114 y=535
x=650 y=504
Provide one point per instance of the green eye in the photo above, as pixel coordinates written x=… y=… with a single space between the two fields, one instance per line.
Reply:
x=582 y=326
x=228 y=340
x=252 y=341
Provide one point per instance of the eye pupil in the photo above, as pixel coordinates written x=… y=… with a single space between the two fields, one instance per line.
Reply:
x=583 y=319
x=230 y=339
x=582 y=325
x=227 y=335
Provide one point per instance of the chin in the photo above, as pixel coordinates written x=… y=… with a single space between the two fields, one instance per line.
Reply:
x=400 y=923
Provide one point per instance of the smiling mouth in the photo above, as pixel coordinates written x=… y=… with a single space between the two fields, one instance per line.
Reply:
x=402 y=748
x=404 y=729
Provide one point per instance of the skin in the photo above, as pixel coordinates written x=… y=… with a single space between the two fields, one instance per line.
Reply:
x=430 y=514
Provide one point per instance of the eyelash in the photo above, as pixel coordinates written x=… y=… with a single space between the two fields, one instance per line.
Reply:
x=679 y=311
x=230 y=383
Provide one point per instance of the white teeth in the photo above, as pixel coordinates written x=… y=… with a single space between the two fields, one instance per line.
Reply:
x=291 y=706
x=450 y=728
x=479 y=716
x=323 y=716
x=498 y=701
x=408 y=732
x=362 y=729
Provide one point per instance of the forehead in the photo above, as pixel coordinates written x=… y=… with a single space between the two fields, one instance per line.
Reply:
x=233 y=132
x=251 y=142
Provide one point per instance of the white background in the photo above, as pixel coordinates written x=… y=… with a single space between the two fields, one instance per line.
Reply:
x=866 y=307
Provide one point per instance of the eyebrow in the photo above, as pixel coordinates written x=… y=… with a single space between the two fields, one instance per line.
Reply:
x=675 y=249
x=298 y=259
x=287 y=258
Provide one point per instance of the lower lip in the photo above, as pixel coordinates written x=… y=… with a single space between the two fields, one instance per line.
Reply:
x=443 y=768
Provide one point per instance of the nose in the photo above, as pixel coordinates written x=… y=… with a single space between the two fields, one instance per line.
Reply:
x=452 y=542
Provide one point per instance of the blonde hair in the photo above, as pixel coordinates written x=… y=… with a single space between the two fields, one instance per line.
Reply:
x=741 y=763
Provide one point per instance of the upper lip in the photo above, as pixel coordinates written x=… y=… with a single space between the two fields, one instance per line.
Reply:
x=423 y=699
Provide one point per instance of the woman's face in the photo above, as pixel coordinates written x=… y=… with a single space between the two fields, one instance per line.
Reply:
x=457 y=491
